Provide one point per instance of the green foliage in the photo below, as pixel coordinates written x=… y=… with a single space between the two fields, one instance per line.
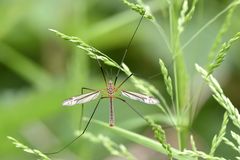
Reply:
x=222 y=53
x=137 y=138
x=224 y=28
x=35 y=152
x=217 y=139
x=199 y=154
x=232 y=145
x=139 y=8
x=114 y=148
x=159 y=134
x=167 y=78
x=229 y=7
x=220 y=96
x=24 y=67
x=90 y=51
x=177 y=86
x=232 y=112
x=193 y=144
x=184 y=16
x=235 y=147
x=236 y=137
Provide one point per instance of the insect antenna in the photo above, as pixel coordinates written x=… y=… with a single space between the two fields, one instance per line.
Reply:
x=71 y=142
x=128 y=46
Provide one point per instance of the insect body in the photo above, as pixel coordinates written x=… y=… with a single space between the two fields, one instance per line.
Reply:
x=111 y=91
x=110 y=88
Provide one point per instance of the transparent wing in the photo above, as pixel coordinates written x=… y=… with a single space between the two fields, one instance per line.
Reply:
x=140 y=97
x=81 y=99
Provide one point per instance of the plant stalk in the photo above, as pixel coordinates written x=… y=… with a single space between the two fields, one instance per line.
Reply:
x=180 y=76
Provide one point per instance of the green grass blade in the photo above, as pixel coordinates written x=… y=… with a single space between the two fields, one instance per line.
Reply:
x=139 y=9
x=225 y=26
x=233 y=4
x=231 y=144
x=219 y=138
x=193 y=144
x=222 y=53
x=236 y=137
x=115 y=149
x=28 y=150
x=24 y=67
x=90 y=51
x=154 y=145
x=192 y=10
x=139 y=139
x=159 y=134
x=167 y=79
x=199 y=154
x=220 y=96
x=182 y=17
x=185 y=15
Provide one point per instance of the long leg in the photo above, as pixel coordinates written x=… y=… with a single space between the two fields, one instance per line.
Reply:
x=132 y=108
x=82 y=108
x=129 y=44
x=103 y=73
x=124 y=81
x=71 y=142
x=164 y=127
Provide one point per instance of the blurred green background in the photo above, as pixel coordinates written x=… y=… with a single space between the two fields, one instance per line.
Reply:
x=39 y=70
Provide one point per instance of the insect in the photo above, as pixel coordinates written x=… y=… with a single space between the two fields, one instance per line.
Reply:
x=110 y=92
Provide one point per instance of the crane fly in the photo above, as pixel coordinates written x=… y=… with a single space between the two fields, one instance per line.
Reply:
x=110 y=92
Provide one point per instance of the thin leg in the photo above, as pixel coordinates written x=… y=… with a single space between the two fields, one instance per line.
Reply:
x=124 y=81
x=128 y=46
x=165 y=127
x=82 y=108
x=71 y=142
x=132 y=108
x=103 y=74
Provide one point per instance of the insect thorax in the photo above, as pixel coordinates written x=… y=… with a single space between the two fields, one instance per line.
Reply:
x=110 y=88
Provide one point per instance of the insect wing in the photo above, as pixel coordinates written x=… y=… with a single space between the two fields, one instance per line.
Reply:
x=140 y=97
x=84 y=98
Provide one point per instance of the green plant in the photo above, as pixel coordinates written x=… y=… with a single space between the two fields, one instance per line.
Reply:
x=178 y=110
